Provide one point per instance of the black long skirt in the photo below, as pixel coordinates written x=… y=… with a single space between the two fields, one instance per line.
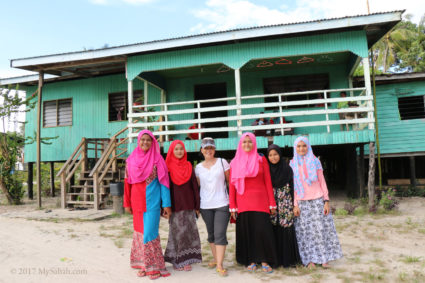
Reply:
x=286 y=246
x=255 y=241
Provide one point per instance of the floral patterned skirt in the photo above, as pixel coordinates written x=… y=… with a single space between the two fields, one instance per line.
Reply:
x=316 y=234
x=184 y=245
x=147 y=257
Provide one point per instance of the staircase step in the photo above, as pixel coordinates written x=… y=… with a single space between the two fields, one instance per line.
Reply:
x=82 y=186
x=79 y=194
x=79 y=202
x=91 y=179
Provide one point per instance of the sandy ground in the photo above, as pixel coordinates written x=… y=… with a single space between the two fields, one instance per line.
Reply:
x=377 y=248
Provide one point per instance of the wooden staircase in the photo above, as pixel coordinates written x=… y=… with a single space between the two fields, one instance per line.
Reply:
x=95 y=163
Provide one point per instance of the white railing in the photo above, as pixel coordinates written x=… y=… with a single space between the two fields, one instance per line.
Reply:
x=164 y=120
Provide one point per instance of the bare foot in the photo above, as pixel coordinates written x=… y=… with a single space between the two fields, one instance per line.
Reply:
x=311 y=265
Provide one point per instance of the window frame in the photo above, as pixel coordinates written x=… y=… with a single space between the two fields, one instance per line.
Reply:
x=57 y=112
x=403 y=117
x=138 y=92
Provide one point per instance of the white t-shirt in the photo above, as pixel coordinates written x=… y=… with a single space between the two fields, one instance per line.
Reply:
x=213 y=189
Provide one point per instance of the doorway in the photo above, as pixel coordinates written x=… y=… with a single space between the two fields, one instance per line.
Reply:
x=211 y=91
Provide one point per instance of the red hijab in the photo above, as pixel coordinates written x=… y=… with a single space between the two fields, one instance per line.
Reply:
x=140 y=163
x=180 y=169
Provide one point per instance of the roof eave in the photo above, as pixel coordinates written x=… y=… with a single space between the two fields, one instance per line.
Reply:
x=36 y=63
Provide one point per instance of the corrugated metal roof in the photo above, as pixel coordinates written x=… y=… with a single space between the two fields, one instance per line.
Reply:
x=186 y=41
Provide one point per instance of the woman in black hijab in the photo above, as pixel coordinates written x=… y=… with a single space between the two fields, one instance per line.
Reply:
x=283 y=222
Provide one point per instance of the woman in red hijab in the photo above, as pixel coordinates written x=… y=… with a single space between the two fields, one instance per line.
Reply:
x=146 y=189
x=184 y=245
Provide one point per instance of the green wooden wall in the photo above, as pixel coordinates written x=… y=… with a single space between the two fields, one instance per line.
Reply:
x=396 y=135
x=89 y=114
x=238 y=54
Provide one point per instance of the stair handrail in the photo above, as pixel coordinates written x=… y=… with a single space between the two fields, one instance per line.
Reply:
x=109 y=149
x=70 y=159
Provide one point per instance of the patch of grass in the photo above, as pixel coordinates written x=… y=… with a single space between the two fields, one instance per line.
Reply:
x=403 y=276
x=341 y=226
x=119 y=243
x=338 y=270
x=411 y=259
x=345 y=279
x=72 y=236
x=378 y=262
x=376 y=249
x=422 y=231
x=360 y=211
x=69 y=230
x=341 y=212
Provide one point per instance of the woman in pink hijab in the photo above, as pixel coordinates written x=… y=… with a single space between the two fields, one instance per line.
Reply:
x=146 y=190
x=251 y=203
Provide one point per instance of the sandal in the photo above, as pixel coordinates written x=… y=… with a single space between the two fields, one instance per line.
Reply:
x=326 y=265
x=165 y=274
x=178 y=268
x=141 y=273
x=252 y=267
x=222 y=272
x=187 y=267
x=154 y=276
x=266 y=268
x=311 y=266
x=212 y=264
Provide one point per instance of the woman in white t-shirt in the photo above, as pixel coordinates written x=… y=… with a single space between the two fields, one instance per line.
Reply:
x=212 y=174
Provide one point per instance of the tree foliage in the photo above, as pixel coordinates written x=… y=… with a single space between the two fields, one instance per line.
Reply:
x=11 y=143
x=402 y=48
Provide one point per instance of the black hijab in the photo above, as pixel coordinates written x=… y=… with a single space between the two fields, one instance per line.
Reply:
x=280 y=172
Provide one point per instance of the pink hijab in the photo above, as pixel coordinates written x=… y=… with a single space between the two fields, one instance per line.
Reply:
x=245 y=164
x=140 y=163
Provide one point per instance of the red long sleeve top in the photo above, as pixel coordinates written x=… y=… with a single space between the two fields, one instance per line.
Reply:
x=258 y=195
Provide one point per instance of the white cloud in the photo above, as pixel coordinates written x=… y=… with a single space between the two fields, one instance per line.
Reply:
x=228 y=14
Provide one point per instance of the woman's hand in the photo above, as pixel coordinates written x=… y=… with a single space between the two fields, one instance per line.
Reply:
x=273 y=211
x=234 y=215
x=326 y=208
x=297 y=211
x=197 y=213
x=166 y=212
x=128 y=210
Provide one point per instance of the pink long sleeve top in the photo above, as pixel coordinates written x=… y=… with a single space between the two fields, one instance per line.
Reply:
x=258 y=195
x=317 y=189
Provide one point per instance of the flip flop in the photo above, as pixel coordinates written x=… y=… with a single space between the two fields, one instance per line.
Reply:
x=222 y=272
x=154 y=276
x=187 y=267
x=212 y=264
x=266 y=268
x=252 y=267
x=141 y=273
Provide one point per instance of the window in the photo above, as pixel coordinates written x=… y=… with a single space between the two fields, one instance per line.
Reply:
x=295 y=84
x=412 y=107
x=57 y=113
x=118 y=104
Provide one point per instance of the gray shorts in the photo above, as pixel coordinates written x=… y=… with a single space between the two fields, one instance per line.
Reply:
x=216 y=220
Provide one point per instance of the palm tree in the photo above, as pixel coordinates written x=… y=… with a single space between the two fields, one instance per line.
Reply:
x=398 y=39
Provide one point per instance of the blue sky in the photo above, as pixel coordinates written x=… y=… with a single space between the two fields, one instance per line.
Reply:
x=41 y=27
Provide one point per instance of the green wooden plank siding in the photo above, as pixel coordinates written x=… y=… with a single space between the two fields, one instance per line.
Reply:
x=236 y=55
x=342 y=137
x=89 y=111
x=396 y=135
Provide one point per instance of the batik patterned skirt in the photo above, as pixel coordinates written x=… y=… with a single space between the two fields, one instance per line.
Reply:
x=316 y=234
x=184 y=245
x=147 y=257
